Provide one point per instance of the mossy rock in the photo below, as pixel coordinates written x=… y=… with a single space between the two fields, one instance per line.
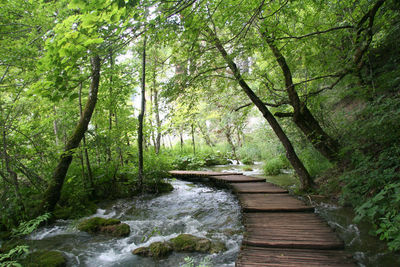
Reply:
x=160 y=249
x=45 y=258
x=181 y=243
x=142 y=251
x=247 y=169
x=112 y=227
x=217 y=247
x=158 y=187
x=116 y=230
x=190 y=243
x=156 y=250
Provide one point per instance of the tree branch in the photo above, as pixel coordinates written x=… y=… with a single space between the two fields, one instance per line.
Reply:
x=315 y=33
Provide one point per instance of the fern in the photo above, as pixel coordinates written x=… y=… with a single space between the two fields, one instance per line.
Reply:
x=25 y=228
x=8 y=259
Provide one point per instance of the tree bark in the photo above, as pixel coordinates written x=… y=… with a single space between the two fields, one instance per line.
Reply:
x=141 y=117
x=204 y=132
x=301 y=171
x=110 y=108
x=85 y=150
x=158 y=121
x=302 y=116
x=193 y=143
x=53 y=191
x=55 y=126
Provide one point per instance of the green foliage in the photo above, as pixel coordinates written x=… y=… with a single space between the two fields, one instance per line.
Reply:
x=314 y=162
x=275 y=165
x=13 y=255
x=201 y=159
x=371 y=184
x=25 y=228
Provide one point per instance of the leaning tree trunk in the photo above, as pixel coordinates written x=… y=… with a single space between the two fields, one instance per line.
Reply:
x=141 y=117
x=302 y=116
x=86 y=153
x=53 y=191
x=301 y=171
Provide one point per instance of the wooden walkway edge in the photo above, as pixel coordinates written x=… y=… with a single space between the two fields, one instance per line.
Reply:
x=280 y=229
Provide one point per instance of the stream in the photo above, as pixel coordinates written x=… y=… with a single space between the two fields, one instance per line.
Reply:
x=190 y=208
x=196 y=209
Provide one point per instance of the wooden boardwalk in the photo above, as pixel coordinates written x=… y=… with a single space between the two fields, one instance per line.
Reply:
x=280 y=229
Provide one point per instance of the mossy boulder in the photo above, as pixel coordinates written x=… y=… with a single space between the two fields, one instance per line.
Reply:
x=45 y=258
x=156 y=250
x=142 y=251
x=112 y=227
x=217 y=247
x=191 y=243
x=186 y=242
x=181 y=243
x=160 y=249
x=116 y=230
x=158 y=187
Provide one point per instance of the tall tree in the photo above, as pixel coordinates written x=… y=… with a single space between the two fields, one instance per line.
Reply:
x=53 y=191
x=301 y=171
x=141 y=115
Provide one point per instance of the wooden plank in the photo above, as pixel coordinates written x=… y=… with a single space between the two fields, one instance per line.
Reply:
x=289 y=230
x=263 y=257
x=237 y=179
x=271 y=203
x=200 y=173
x=252 y=188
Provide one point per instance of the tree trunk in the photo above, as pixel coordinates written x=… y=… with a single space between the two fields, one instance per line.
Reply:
x=301 y=171
x=110 y=108
x=193 y=143
x=181 y=138
x=228 y=135
x=141 y=117
x=53 y=191
x=204 y=132
x=55 y=126
x=158 y=121
x=85 y=150
x=302 y=116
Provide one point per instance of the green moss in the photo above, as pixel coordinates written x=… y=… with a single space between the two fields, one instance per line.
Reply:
x=45 y=258
x=142 y=251
x=158 y=187
x=190 y=243
x=94 y=224
x=247 y=169
x=217 y=247
x=116 y=230
x=160 y=249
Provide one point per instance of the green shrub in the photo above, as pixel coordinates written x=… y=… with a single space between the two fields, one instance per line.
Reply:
x=275 y=165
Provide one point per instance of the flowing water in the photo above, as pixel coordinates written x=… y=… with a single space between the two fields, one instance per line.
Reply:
x=194 y=209
x=191 y=208
x=367 y=250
